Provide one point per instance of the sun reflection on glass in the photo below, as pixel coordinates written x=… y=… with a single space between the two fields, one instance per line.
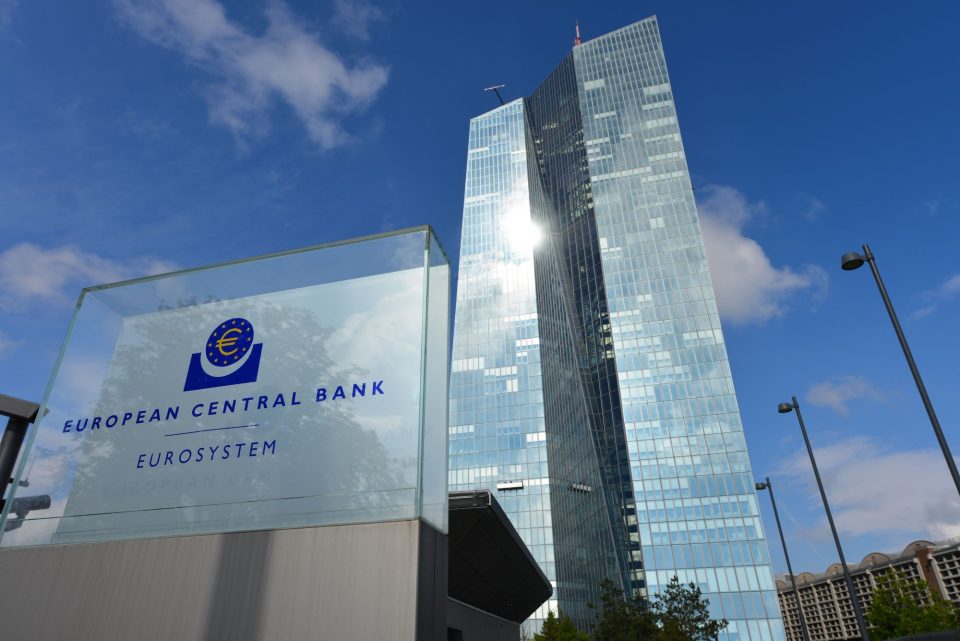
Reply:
x=520 y=233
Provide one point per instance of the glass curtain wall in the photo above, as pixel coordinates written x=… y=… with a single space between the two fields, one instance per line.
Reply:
x=586 y=316
x=697 y=510
x=519 y=423
x=557 y=137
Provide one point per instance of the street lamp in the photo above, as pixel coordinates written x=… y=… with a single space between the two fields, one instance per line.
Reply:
x=793 y=406
x=852 y=261
x=767 y=485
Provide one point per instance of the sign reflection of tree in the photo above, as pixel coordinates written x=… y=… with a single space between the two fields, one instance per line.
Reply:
x=322 y=450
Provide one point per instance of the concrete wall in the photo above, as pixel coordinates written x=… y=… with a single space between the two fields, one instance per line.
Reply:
x=477 y=625
x=352 y=582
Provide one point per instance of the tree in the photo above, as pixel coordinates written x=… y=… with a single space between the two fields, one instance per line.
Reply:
x=903 y=607
x=683 y=614
x=622 y=619
x=560 y=628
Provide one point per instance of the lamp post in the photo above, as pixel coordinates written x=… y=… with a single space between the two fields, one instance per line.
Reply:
x=793 y=406
x=767 y=485
x=852 y=261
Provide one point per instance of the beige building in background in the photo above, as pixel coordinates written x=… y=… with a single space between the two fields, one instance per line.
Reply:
x=826 y=602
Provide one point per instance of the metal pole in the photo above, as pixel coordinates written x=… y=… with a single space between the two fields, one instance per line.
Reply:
x=786 y=555
x=944 y=446
x=10 y=444
x=854 y=599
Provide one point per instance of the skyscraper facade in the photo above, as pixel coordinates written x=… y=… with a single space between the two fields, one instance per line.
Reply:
x=590 y=385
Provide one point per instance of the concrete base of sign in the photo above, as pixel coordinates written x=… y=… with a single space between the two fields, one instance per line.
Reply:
x=348 y=582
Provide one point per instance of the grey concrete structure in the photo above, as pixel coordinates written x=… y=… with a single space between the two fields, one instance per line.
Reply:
x=398 y=581
x=372 y=581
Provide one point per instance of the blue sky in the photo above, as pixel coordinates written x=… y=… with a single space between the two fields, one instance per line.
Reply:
x=137 y=137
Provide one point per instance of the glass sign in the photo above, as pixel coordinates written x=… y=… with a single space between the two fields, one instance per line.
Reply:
x=297 y=389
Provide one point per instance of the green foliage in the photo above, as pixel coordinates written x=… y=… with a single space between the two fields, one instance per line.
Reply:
x=560 y=628
x=622 y=619
x=896 y=610
x=683 y=615
x=679 y=613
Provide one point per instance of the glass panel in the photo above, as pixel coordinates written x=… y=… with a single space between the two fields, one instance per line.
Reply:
x=436 y=384
x=275 y=392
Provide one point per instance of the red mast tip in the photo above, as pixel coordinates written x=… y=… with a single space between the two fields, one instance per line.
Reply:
x=576 y=41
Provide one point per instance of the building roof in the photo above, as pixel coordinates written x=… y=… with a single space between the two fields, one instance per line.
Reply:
x=490 y=567
x=874 y=560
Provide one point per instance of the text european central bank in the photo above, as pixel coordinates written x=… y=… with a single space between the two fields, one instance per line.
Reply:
x=290 y=390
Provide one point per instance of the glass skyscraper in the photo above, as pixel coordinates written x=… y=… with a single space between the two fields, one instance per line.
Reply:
x=590 y=387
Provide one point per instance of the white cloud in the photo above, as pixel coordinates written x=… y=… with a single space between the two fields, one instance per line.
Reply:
x=47 y=471
x=80 y=382
x=814 y=208
x=837 y=392
x=877 y=491
x=29 y=272
x=287 y=61
x=354 y=17
x=7 y=345
x=948 y=290
x=933 y=206
x=7 y=9
x=749 y=288
x=368 y=336
x=951 y=287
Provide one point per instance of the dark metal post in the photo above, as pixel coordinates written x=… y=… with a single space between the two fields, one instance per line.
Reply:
x=10 y=444
x=20 y=414
x=767 y=485
x=496 y=89
x=854 y=599
x=944 y=446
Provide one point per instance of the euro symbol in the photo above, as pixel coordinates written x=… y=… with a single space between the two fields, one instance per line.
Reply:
x=228 y=341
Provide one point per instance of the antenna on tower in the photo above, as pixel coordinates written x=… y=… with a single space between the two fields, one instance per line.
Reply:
x=496 y=89
x=576 y=41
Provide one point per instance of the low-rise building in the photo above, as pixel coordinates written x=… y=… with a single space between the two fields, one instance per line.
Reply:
x=826 y=602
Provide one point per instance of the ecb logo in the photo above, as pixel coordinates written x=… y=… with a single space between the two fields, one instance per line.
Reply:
x=230 y=350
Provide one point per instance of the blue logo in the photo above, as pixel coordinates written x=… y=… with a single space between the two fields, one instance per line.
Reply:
x=228 y=345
